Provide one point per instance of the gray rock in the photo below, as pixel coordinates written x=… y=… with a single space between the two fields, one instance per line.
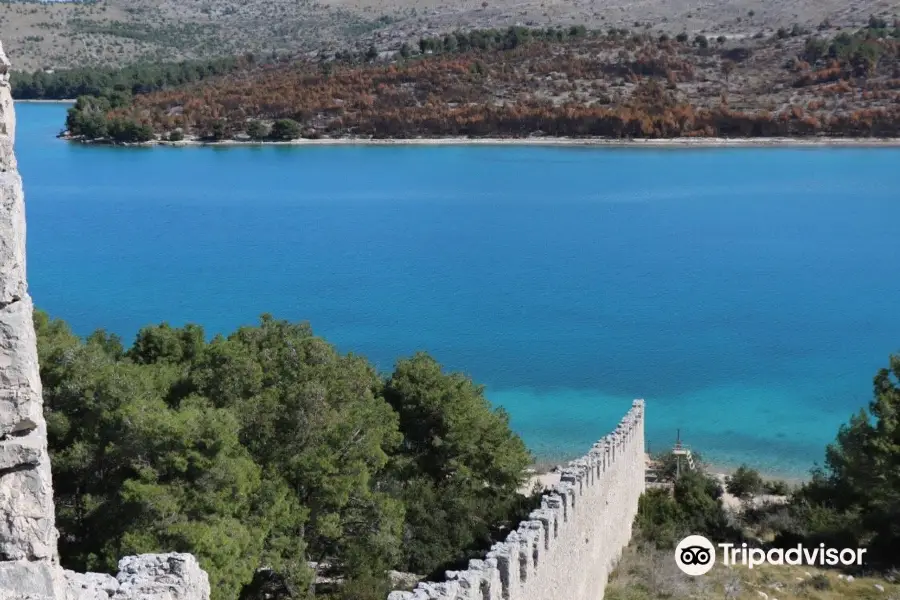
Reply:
x=28 y=535
x=144 y=577
x=90 y=586
x=7 y=119
x=27 y=530
x=402 y=579
x=32 y=580
x=161 y=577
x=24 y=453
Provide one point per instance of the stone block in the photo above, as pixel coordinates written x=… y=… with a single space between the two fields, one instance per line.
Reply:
x=36 y=580
x=161 y=577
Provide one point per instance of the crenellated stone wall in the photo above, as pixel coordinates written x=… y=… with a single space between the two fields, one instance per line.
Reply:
x=29 y=567
x=569 y=546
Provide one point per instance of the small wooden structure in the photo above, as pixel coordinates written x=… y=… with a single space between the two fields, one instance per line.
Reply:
x=683 y=460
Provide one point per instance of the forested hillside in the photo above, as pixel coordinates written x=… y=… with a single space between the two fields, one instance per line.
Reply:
x=523 y=82
x=285 y=466
x=135 y=79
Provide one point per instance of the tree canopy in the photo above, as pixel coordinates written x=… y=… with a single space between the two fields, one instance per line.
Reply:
x=133 y=79
x=856 y=495
x=268 y=453
x=457 y=453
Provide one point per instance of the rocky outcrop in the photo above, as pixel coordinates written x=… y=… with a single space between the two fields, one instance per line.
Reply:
x=90 y=586
x=29 y=568
x=30 y=580
x=161 y=577
x=28 y=563
x=144 y=577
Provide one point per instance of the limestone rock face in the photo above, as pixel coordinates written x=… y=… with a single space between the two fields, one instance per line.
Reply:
x=161 y=577
x=27 y=531
x=30 y=580
x=144 y=577
x=29 y=569
x=90 y=586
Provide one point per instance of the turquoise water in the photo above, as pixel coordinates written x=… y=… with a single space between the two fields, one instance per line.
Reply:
x=749 y=295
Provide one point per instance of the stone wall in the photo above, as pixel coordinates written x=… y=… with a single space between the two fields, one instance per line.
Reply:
x=29 y=566
x=569 y=546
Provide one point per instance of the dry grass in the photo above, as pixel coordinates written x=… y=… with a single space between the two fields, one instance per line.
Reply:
x=111 y=32
x=56 y=35
x=649 y=574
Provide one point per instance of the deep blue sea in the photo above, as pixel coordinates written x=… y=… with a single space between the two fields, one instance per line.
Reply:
x=749 y=295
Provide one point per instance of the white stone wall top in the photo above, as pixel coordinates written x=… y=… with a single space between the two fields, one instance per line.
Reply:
x=567 y=547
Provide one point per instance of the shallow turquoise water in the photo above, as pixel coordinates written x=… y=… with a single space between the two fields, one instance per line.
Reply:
x=749 y=295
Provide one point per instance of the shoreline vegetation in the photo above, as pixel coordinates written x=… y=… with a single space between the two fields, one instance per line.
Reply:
x=503 y=86
x=698 y=142
x=547 y=473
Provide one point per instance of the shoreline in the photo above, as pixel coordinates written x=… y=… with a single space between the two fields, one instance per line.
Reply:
x=45 y=101
x=542 y=473
x=716 y=469
x=698 y=142
x=542 y=468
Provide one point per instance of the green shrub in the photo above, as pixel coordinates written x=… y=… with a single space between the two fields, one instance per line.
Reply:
x=658 y=519
x=694 y=507
x=128 y=130
x=257 y=130
x=777 y=487
x=285 y=129
x=744 y=483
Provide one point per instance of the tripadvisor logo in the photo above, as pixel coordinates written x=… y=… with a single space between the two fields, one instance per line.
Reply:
x=696 y=555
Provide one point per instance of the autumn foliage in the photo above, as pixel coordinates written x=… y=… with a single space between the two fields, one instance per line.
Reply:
x=599 y=85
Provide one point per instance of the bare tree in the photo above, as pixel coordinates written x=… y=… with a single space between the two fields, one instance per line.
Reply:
x=727 y=69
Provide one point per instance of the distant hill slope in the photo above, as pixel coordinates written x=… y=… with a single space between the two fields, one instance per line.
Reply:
x=116 y=32
x=519 y=82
